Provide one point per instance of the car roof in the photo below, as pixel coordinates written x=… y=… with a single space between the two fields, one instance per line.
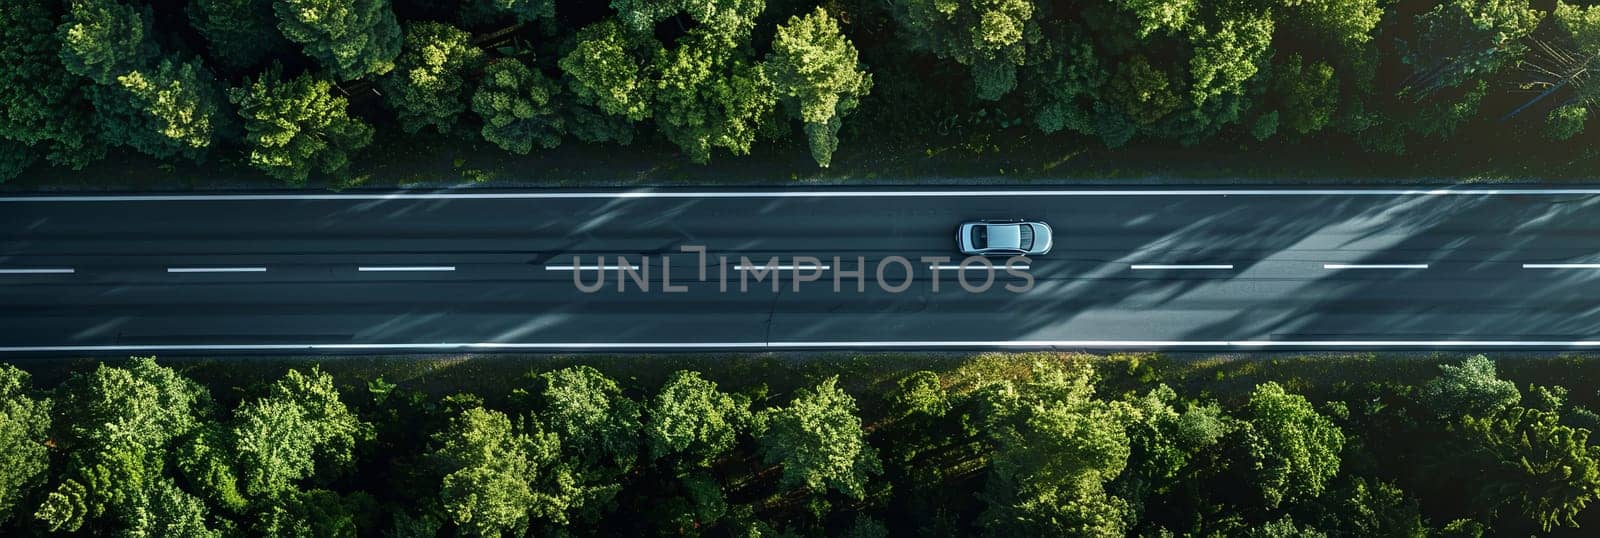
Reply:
x=1006 y=236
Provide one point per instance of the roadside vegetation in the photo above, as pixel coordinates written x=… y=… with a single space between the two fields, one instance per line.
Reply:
x=1040 y=444
x=316 y=90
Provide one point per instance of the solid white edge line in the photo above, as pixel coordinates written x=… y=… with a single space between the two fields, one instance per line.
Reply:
x=1254 y=344
x=803 y=194
x=52 y=271
x=1145 y=267
x=779 y=267
x=385 y=268
x=1375 y=266
x=216 y=269
x=1561 y=266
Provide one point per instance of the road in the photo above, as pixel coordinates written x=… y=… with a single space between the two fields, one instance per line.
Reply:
x=477 y=270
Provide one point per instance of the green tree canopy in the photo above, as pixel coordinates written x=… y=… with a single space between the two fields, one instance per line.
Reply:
x=1469 y=388
x=24 y=430
x=297 y=127
x=240 y=34
x=1462 y=40
x=818 y=440
x=1533 y=466
x=103 y=39
x=349 y=38
x=518 y=107
x=429 y=84
x=1294 y=451
x=42 y=104
x=690 y=417
x=991 y=37
x=817 y=77
x=490 y=469
x=710 y=95
x=174 y=109
x=588 y=411
x=608 y=71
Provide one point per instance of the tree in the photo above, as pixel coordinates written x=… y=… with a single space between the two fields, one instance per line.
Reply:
x=1056 y=447
x=1340 y=23
x=102 y=40
x=24 y=427
x=522 y=11
x=709 y=95
x=489 y=470
x=607 y=71
x=919 y=393
x=1532 y=464
x=240 y=34
x=298 y=430
x=297 y=127
x=1308 y=95
x=1371 y=507
x=117 y=425
x=349 y=38
x=991 y=37
x=690 y=417
x=1294 y=451
x=42 y=104
x=15 y=157
x=1462 y=40
x=517 y=106
x=730 y=18
x=588 y=411
x=818 y=440
x=428 y=85
x=172 y=110
x=1469 y=388
x=817 y=77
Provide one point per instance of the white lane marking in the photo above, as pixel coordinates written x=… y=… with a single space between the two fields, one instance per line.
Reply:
x=216 y=269
x=780 y=267
x=1252 y=344
x=583 y=267
x=1375 y=266
x=49 y=271
x=1561 y=266
x=387 y=268
x=802 y=194
x=979 y=266
x=1143 y=267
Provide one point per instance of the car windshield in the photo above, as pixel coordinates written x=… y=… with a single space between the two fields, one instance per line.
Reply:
x=1027 y=236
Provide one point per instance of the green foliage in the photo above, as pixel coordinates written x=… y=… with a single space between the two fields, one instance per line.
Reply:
x=1056 y=447
x=588 y=411
x=1533 y=465
x=103 y=39
x=1369 y=507
x=729 y=18
x=14 y=158
x=490 y=471
x=919 y=393
x=1469 y=388
x=523 y=11
x=1343 y=23
x=1461 y=40
x=349 y=38
x=428 y=85
x=709 y=95
x=1309 y=94
x=286 y=436
x=818 y=78
x=606 y=72
x=517 y=106
x=1565 y=122
x=175 y=109
x=24 y=427
x=42 y=104
x=1294 y=450
x=117 y=425
x=991 y=37
x=818 y=440
x=690 y=417
x=297 y=127
x=239 y=34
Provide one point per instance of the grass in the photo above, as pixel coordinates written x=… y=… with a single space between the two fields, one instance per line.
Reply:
x=869 y=376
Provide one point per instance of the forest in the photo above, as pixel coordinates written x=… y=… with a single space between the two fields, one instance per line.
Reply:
x=1046 y=444
x=300 y=89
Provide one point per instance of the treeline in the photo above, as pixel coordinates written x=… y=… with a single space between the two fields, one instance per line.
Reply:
x=296 y=88
x=138 y=449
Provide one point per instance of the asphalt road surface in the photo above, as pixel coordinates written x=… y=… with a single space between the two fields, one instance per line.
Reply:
x=482 y=271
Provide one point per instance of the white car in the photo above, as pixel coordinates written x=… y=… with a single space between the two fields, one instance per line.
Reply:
x=1004 y=238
